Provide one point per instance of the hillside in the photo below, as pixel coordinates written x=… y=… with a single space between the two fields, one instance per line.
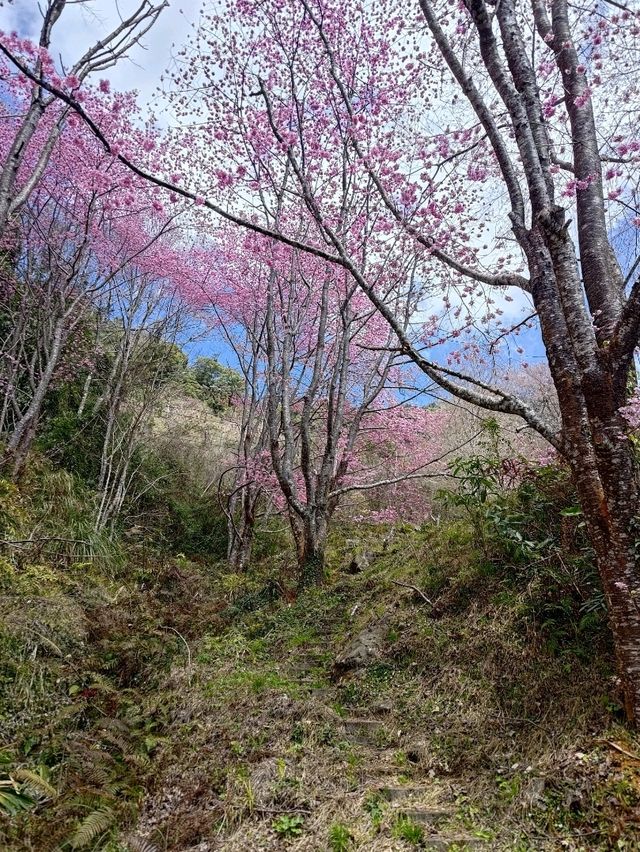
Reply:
x=434 y=694
x=319 y=426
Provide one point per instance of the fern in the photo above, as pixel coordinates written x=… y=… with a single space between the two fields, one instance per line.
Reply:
x=142 y=761
x=96 y=776
x=94 y=798
x=119 y=742
x=23 y=789
x=101 y=683
x=81 y=756
x=91 y=827
x=13 y=799
x=35 y=782
x=71 y=710
x=115 y=787
x=115 y=725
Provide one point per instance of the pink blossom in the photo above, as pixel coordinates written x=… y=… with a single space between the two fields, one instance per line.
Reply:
x=583 y=98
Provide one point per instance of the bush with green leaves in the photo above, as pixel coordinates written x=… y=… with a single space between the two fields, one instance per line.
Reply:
x=178 y=517
x=288 y=825
x=215 y=384
x=528 y=526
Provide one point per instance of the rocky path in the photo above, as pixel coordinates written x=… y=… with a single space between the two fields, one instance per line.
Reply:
x=396 y=803
x=322 y=781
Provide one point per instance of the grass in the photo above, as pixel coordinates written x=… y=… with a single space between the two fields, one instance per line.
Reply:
x=229 y=725
x=82 y=655
x=340 y=838
x=406 y=829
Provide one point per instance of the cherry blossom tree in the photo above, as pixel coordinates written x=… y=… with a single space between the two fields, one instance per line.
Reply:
x=239 y=315
x=35 y=118
x=321 y=376
x=491 y=134
x=501 y=138
x=85 y=236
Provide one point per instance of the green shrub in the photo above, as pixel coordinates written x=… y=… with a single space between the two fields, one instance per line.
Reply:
x=212 y=382
x=288 y=825
x=531 y=531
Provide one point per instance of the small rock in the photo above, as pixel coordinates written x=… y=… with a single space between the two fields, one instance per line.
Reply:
x=359 y=562
x=364 y=649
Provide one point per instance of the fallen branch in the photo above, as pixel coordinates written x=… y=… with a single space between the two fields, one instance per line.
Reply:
x=416 y=590
x=622 y=750
x=186 y=645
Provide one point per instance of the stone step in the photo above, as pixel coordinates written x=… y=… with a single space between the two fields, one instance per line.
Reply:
x=373 y=773
x=305 y=665
x=444 y=842
x=323 y=693
x=431 y=816
x=384 y=762
x=406 y=791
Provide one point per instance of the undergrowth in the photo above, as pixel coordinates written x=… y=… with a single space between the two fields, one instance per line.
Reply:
x=88 y=634
x=150 y=701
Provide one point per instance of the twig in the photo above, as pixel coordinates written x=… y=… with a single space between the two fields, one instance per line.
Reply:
x=282 y=811
x=416 y=590
x=622 y=750
x=186 y=645
x=19 y=541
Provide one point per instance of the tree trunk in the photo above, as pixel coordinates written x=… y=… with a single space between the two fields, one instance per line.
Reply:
x=311 y=553
x=85 y=395
x=240 y=551
x=240 y=545
x=312 y=570
x=241 y=534
x=16 y=455
x=25 y=430
x=606 y=479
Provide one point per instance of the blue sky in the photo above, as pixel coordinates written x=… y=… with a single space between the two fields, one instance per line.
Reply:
x=84 y=23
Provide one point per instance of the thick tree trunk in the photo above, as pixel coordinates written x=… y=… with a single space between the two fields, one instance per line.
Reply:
x=311 y=552
x=607 y=484
x=240 y=552
x=312 y=568
x=615 y=554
